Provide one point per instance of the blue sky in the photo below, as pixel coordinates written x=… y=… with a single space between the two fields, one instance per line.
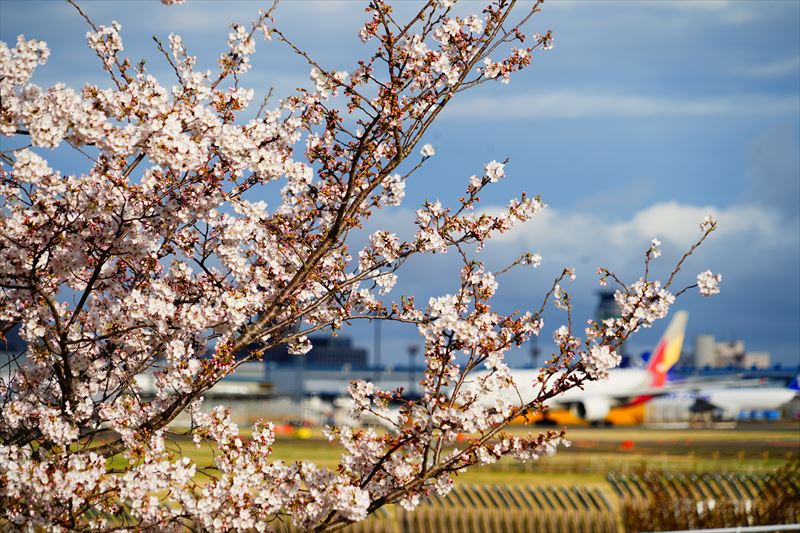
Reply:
x=645 y=116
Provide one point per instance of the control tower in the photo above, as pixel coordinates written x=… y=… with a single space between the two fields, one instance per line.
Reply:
x=607 y=307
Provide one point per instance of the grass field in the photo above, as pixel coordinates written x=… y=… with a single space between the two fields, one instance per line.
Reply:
x=594 y=453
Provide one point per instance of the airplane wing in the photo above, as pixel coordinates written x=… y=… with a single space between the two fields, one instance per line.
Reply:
x=694 y=386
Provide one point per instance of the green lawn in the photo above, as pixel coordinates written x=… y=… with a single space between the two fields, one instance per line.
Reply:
x=594 y=453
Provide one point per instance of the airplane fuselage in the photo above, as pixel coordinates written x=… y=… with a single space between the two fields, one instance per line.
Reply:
x=593 y=401
x=736 y=399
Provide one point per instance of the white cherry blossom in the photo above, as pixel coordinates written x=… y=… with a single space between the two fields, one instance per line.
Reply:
x=157 y=262
x=708 y=283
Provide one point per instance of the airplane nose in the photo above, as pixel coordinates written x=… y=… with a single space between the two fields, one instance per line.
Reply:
x=785 y=396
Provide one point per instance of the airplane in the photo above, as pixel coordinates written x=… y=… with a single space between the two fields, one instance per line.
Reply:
x=726 y=403
x=624 y=388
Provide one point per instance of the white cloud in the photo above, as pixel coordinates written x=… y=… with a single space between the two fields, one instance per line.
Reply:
x=729 y=12
x=570 y=238
x=308 y=15
x=783 y=67
x=566 y=237
x=726 y=11
x=575 y=104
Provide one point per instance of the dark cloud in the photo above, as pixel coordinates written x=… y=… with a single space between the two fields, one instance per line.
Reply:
x=773 y=177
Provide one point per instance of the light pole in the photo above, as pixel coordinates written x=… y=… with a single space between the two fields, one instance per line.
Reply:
x=535 y=350
x=377 y=351
x=412 y=353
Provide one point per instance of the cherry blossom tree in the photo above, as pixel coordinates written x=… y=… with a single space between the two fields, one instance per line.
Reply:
x=156 y=259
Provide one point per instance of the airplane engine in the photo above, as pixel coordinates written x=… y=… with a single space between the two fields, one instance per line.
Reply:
x=592 y=409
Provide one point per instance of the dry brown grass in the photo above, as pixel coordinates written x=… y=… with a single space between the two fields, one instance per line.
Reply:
x=668 y=502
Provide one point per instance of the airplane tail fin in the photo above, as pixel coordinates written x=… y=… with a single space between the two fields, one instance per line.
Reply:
x=668 y=350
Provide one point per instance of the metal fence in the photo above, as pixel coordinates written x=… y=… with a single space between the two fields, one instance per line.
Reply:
x=703 y=487
x=500 y=509
x=732 y=499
